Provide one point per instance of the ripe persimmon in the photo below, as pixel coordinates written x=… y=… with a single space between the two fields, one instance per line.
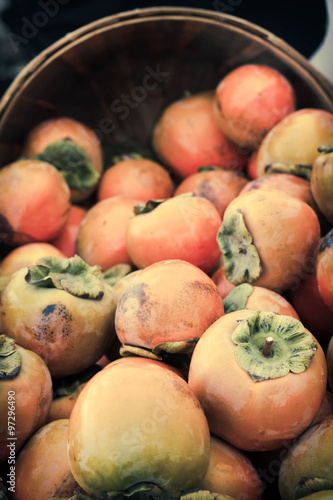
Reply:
x=182 y=227
x=324 y=270
x=166 y=307
x=224 y=286
x=250 y=100
x=186 y=137
x=260 y=378
x=218 y=185
x=101 y=238
x=73 y=148
x=27 y=255
x=137 y=178
x=268 y=238
x=34 y=202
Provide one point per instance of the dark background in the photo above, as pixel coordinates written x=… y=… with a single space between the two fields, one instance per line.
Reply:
x=301 y=23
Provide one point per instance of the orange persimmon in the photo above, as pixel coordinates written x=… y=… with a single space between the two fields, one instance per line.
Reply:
x=66 y=241
x=186 y=137
x=27 y=255
x=34 y=202
x=138 y=178
x=324 y=270
x=249 y=101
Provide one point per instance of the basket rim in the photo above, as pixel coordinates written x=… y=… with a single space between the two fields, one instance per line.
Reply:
x=162 y=13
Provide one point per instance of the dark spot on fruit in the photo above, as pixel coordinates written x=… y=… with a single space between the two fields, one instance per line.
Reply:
x=48 y=309
x=54 y=322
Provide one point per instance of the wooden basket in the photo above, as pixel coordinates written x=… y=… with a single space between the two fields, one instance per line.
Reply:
x=117 y=74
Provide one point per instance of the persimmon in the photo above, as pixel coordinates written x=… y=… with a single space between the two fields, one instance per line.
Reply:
x=182 y=227
x=186 y=137
x=324 y=269
x=329 y=359
x=267 y=238
x=66 y=241
x=224 y=286
x=322 y=181
x=34 y=202
x=25 y=396
x=250 y=100
x=62 y=310
x=307 y=467
x=251 y=168
x=166 y=307
x=144 y=412
x=27 y=255
x=231 y=472
x=256 y=298
x=73 y=148
x=42 y=467
x=101 y=238
x=292 y=145
x=217 y=185
x=312 y=310
x=137 y=178
x=260 y=378
x=288 y=183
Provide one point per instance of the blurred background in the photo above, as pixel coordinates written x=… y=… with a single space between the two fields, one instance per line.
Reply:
x=29 y=26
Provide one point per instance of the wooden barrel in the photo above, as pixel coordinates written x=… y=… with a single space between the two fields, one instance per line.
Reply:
x=117 y=74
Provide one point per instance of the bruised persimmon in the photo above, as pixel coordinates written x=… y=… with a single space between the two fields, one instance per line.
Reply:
x=34 y=202
x=218 y=185
x=268 y=238
x=66 y=241
x=101 y=236
x=26 y=255
x=73 y=148
x=136 y=177
x=187 y=137
x=249 y=101
x=42 y=467
x=292 y=144
x=166 y=307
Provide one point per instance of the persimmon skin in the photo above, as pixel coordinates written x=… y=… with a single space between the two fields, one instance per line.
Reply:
x=101 y=238
x=66 y=241
x=263 y=299
x=32 y=389
x=168 y=301
x=27 y=255
x=288 y=183
x=187 y=137
x=219 y=186
x=251 y=168
x=34 y=202
x=249 y=101
x=324 y=270
x=182 y=227
x=42 y=467
x=252 y=416
x=56 y=129
x=230 y=472
x=285 y=231
x=137 y=178
x=296 y=138
x=61 y=407
x=224 y=286
x=329 y=359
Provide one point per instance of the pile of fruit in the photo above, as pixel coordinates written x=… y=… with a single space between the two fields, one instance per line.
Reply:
x=166 y=318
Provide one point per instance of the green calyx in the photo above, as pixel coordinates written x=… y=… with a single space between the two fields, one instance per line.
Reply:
x=73 y=275
x=326 y=148
x=236 y=299
x=308 y=485
x=116 y=273
x=148 y=207
x=240 y=256
x=72 y=162
x=299 y=170
x=149 y=491
x=160 y=350
x=270 y=345
x=10 y=358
